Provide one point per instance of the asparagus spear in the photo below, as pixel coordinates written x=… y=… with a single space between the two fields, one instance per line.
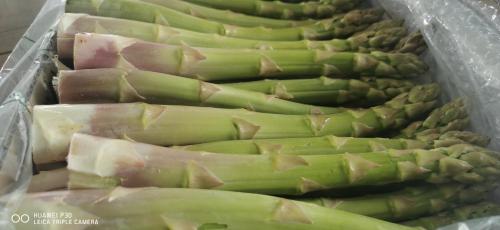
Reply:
x=116 y=85
x=183 y=209
x=383 y=39
x=228 y=17
x=276 y=9
x=328 y=91
x=463 y=213
x=412 y=43
x=49 y=180
x=330 y=144
x=451 y=116
x=111 y=51
x=336 y=145
x=411 y=202
x=339 y=26
x=387 y=23
x=181 y=125
x=97 y=162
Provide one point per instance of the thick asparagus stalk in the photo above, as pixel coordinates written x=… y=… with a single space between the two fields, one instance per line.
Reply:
x=340 y=26
x=328 y=91
x=70 y=24
x=116 y=85
x=463 y=213
x=411 y=202
x=330 y=144
x=182 y=125
x=336 y=145
x=96 y=162
x=111 y=51
x=49 y=180
x=182 y=209
x=276 y=9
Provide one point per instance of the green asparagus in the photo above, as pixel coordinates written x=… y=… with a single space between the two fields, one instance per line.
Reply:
x=328 y=91
x=451 y=116
x=276 y=9
x=463 y=213
x=387 y=23
x=186 y=209
x=412 y=43
x=336 y=145
x=411 y=202
x=228 y=17
x=182 y=125
x=111 y=51
x=97 y=162
x=116 y=85
x=331 y=144
x=383 y=39
x=339 y=26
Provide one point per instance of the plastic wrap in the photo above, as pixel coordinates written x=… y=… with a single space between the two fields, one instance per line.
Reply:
x=463 y=38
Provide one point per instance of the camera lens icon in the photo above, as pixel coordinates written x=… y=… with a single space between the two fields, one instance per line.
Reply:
x=16 y=218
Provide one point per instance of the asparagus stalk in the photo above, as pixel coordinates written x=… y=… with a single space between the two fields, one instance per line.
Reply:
x=412 y=43
x=330 y=144
x=116 y=85
x=328 y=91
x=111 y=51
x=182 y=125
x=383 y=24
x=336 y=145
x=383 y=39
x=276 y=9
x=228 y=17
x=411 y=202
x=463 y=213
x=97 y=162
x=156 y=208
x=339 y=26
x=452 y=116
x=49 y=180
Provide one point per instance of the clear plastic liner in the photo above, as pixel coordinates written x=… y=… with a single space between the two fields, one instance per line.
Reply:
x=464 y=44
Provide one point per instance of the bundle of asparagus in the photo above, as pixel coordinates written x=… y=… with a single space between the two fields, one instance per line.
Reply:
x=386 y=37
x=195 y=99
x=339 y=26
x=180 y=125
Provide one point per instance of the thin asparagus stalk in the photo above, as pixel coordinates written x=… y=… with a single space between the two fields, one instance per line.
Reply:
x=328 y=91
x=330 y=144
x=450 y=117
x=182 y=125
x=70 y=24
x=97 y=162
x=116 y=85
x=276 y=9
x=183 y=209
x=411 y=202
x=339 y=26
x=228 y=17
x=111 y=51
x=463 y=213
x=49 y=180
